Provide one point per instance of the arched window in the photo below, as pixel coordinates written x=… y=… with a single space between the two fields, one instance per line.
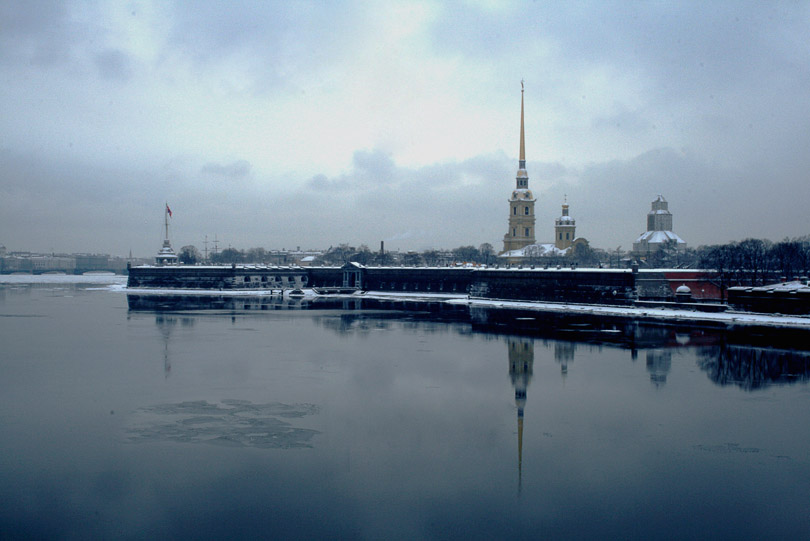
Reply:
x=514 y=232
x=526 y=211
x=514 y=211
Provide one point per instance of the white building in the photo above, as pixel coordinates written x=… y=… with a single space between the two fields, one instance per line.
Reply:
x=659 y=230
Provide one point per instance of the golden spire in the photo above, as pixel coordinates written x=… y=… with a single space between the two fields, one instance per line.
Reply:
x=522 y=138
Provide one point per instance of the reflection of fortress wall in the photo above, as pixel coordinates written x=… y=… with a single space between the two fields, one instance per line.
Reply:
x=171 y=303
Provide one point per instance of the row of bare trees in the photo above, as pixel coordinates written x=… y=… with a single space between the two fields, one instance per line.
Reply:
x=747 y=262
x=757 y=261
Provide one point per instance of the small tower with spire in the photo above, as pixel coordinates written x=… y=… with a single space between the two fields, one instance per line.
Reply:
x=564 y=229
x=166 y=255
x=521 y=204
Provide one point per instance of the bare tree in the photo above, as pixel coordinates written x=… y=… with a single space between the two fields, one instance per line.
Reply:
x=487 y=253
x=431 y=257
x=189 y=255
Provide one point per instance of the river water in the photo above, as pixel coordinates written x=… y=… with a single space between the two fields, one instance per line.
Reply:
x=276 y=419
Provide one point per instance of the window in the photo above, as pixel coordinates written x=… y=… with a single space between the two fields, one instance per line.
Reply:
x=514 y=211
x=514 y=232
x=560 y=236
x=526 y=211
x=527 y=231
x=566 y=236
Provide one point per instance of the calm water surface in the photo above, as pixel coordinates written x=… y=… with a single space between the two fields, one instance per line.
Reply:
x=343 y=422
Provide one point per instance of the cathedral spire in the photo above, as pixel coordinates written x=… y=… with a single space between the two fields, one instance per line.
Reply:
x=522 y=137
x=521 y=204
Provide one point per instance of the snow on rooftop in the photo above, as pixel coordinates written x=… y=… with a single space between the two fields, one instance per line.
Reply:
x=784 y=287
x=659 y=237
x=535 y=250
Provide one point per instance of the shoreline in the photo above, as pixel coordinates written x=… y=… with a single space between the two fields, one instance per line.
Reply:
x=662 y=315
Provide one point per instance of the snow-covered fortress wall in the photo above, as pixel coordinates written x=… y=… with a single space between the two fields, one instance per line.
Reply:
x=217 y=277
x=601 y=286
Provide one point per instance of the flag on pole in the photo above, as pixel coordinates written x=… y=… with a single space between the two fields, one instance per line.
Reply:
x=168 y=210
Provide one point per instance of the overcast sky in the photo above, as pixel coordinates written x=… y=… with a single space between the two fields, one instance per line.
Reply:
x=285 y=124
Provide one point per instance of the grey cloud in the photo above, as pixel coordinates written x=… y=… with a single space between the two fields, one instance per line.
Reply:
x=449 y=205
x=272 y=36
x=374 y=166
x=734 y=61
x=114 y=64
x=370 y=168
x=37 y=33
x=625 y=120
x=236 y=170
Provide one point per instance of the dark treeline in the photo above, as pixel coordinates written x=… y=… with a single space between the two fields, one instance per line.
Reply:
x=757 y=262
x=484 y=254
x=747 y=262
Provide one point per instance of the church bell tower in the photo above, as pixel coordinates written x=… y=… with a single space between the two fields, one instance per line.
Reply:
x=565 y=227
x=521 y=204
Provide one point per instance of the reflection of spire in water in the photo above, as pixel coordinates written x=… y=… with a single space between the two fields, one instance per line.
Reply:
x=521 y=361
x=659 y=362
x=564 y=354
x=166 y=324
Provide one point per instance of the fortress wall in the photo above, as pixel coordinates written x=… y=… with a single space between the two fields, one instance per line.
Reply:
x=591 y=286
x=773 y=301
x=182 y=277
x=325 y=276
x=652 y=284
x=588 y=286
x=418 y=279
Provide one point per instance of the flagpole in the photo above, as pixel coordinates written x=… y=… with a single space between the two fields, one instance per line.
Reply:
x=166 y=218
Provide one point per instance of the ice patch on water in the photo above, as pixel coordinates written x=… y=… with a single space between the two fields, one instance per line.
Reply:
x=236 y=423
x=116 y=279
x=727 y=448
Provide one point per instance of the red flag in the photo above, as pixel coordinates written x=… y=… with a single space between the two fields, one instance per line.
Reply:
x=168 y=210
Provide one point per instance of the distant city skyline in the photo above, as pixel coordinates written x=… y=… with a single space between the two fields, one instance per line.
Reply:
x=284 y=124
